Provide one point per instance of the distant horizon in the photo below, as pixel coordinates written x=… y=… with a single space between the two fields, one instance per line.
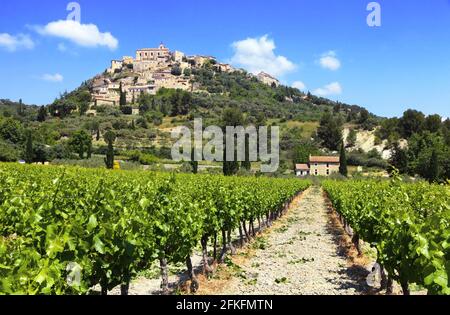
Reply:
x=323 y=46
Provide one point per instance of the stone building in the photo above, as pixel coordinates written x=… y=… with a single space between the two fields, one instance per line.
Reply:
x=267 y=79
x=178 y=56
x=319 y=166
x=115 y=65
x=153 y=54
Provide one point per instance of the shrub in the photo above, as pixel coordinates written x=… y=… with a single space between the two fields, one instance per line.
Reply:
x=8 y=152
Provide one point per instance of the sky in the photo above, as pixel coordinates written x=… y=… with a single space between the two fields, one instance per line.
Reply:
x=323 y=46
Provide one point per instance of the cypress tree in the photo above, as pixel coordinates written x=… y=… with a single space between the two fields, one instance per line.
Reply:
x=29 y=154
x=110 y=137
x=89 y=150
x=20 y=109
x=194 y=163
x=433 y=174
x=42 y=114
x=247 y=165
x=398 y=160
x=343 y=161
x=123 y=96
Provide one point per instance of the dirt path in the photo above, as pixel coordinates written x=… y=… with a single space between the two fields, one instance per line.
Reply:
x=300 y=255
x=304 y=252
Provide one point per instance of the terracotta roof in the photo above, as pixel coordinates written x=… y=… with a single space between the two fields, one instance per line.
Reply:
x=324 y=159
x=302 y=167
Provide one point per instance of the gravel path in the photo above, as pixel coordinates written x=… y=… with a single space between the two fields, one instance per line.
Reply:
x=300 y=257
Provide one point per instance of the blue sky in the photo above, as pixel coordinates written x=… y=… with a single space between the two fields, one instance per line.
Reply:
x=324 y=45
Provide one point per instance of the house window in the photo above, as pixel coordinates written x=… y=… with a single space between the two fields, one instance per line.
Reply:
x=328 y=165
x=328 y=172
x=315 y=172
x=316 y=164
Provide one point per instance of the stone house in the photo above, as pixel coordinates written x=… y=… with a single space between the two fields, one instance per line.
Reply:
x=302 y=169
x=319 y=166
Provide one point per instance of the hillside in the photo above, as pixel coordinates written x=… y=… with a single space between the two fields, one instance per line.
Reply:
x=143 y=100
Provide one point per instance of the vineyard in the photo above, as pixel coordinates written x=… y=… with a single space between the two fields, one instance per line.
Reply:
x=66 y=230
x=408 y=224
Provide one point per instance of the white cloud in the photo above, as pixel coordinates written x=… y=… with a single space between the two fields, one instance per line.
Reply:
x=330 y=61
x=257 y=54
x=12 y=43
x=86 y=35
x=52 y=77
x=334 y=88
x=299 y=85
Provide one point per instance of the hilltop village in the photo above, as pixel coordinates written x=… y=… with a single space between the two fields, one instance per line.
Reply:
x=155 y=68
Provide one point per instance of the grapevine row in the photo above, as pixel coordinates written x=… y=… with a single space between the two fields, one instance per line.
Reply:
x=408 y=224
x=106 y=226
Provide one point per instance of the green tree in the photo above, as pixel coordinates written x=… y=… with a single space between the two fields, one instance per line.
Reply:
x=180 y=102
x=433 y=123
x=247 y=165
x=446 y=131
x=80 y=142
x=194 y=163
x=42 y=153
x=304 y=150
x=330 y=131
x=351 y=138
x=412 y=122
x=123 y=96
x=389 y=130
x=29 y=153
x=187 y=72
x=433 y=171
x=110 y=137
x=62 y=108
x=421 y=147
x=176 y=70
x=21 y=108
x=42 y=114
x=337 y=108
x=343 y=161
x=83 y=108
x=145 y=102
x=8 y=152
x=398 y=159
x=12 y=130
x=363 y=116
x=231 y=117
x=82 y=99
